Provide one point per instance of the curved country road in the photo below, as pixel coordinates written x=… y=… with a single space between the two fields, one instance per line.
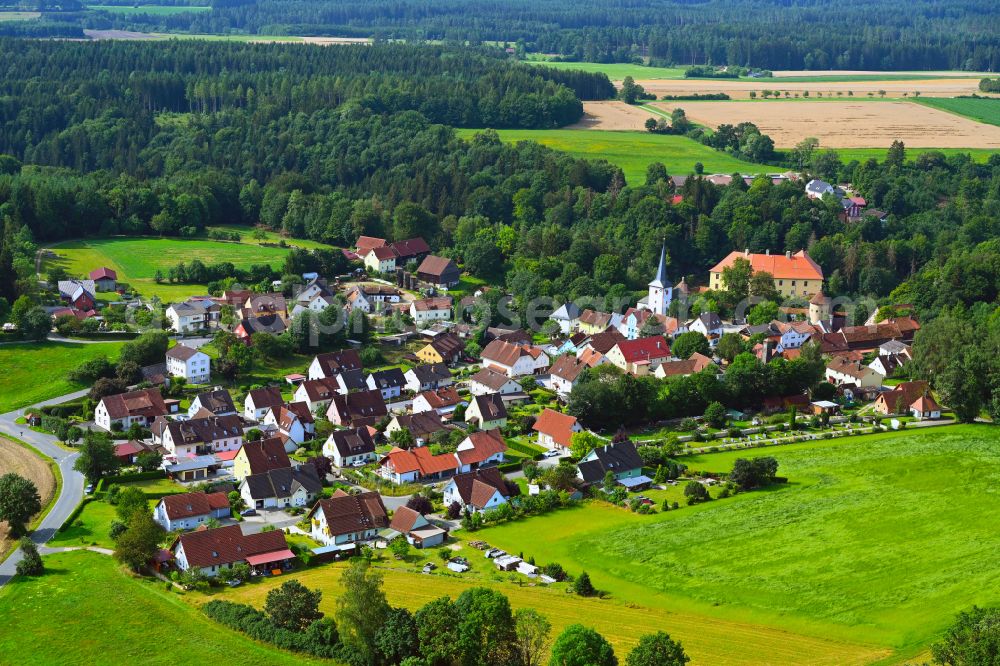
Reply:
x=72 y=486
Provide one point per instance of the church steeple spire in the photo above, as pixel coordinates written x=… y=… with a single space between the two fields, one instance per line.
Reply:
x=661 y=279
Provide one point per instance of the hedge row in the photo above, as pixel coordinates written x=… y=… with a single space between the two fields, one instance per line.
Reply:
x=320 y=639
x=76 y=514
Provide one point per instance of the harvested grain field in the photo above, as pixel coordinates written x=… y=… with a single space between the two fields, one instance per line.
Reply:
x=847 y=124
x=611 y=116
x=741 y=89
x=16 y=458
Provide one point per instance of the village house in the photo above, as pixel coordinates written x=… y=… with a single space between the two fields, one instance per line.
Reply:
x=925 y=408
x=817 y=189
x=419 y=464
x=567 y=316
x=281 y=488
x=119 y=412
x=442 y=401
x=314 y=296
x=437 y=308
x=477 y=491
x=294 y=422
x=444 y=348
x=193 y=315
x=357 y=409
x=350 y=448
x=601 y=342
x=422 y=425
x=438 y=271
x=348 y=519
x=104 y=278
x=428 y=376
x=514 y=360
x=259 y=401
x=217 y=402
x=260 y=457
x=198 y=437
x=898 y=400
x=639 y=357
x=842 y=370
x=334 y=363
x=316 y=393
x=389 y=382
x=380 y=259
x=565 y=372
x=636 y=320
x=693 y=365
x=191 y=364
x=81 y=294
x=216 y=551
x=351 y=380
x=372 y=298
x=487 y=411
x=708 y=324
x=416 y=529
x=480 y=449
x=592 y=322
x=518 y=336
x=128 y=452
x=366 y=243
x=265 y=305
x=271 y=324
x=793 y=334
x=187 y=511
x=555 y=429
x=488 y=380
x=619 y=458
x=794 y=274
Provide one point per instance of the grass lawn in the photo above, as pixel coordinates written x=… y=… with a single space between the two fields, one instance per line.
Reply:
x=36 y=371
x=984 y=110
x=877 y=540
x=634 y=151
x=709 y=641
x=85 y=610
x=155 y=10
x=89 y=529
x=618 y=70
x=269 y=236
x=137 y=259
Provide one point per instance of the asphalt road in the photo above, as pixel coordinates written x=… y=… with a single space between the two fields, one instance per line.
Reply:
x=72 y=486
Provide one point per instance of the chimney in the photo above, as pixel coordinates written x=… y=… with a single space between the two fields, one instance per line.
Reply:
x=768 y=252
x=746 y=252
x=788 y=254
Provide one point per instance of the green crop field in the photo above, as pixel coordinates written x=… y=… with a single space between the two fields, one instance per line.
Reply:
x=86 y=610
x=634 y=151
x=18 y=16
x=137 y=259
x=618 y=71
x=862 y=154
x=37 y=371
x=876 y=540
x=984 y=110
x=155 y=10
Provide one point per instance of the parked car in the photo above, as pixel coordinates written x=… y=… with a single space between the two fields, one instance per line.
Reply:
x=235 y=582
x=248 y=512
x=551 y=453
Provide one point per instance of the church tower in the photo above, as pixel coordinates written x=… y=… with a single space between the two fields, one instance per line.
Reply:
x=661 y=290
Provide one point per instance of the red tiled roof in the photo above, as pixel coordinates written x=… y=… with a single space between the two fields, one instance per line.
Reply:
x=556 y=425
x=485 y=443
x=644 y=349
x=799 y=266
x=225 y=545
x=103 y=273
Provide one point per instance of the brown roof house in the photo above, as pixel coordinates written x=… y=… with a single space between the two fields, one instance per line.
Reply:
x=477 y=491
x=281 y=488
x=422 y=425
x=416 y=529
x=350 y=448
x=438 y=271
x=260 y=457
x=899 y=399
x=216 y=551
x=487 y=411
x=119 y=412
x=357 y=409
x=187 y=511
x=334 y=363
x=345 y=520
x=259 y=401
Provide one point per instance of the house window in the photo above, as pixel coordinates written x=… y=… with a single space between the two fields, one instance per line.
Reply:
x=781 y=283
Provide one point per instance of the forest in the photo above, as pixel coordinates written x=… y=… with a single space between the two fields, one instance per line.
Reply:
x=770 y=34
x=186 y=141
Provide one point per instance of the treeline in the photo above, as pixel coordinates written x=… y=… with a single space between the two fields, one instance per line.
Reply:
x=752 y=33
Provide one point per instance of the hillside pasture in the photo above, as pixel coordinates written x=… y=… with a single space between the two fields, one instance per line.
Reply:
x=983 y=110
x=876 y=540
x=137 y=259
x=846 y=124
x=37 y=371
x=634 y=151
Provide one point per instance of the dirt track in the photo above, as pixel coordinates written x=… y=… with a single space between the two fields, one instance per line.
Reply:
x=859 y=124
x=611 y=116
x=15 y=458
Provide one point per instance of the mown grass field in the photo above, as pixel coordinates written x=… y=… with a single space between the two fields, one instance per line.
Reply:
x=618 y=70
x=137 y=259
x=634 y=151
x=708 y=640
x=862 y=154
x=876 y=540
x=155 y=10
x=36 y=371
x=984 y=110
x=85 y=610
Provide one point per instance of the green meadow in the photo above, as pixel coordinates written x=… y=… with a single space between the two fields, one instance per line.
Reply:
x=155 y=10
x=37 y=371
x=137 y=259
x=981 y=109
x=634 y=151
x=875 y=540
x=617 y=71
x=87 y=610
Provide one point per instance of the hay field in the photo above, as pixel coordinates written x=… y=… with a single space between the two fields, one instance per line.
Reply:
x=16 y=458
x=837 y=124
x=611 y=116
x=741 y=88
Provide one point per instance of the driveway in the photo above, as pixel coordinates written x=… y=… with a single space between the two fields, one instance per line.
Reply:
x=265 y=517
x=72 y=486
